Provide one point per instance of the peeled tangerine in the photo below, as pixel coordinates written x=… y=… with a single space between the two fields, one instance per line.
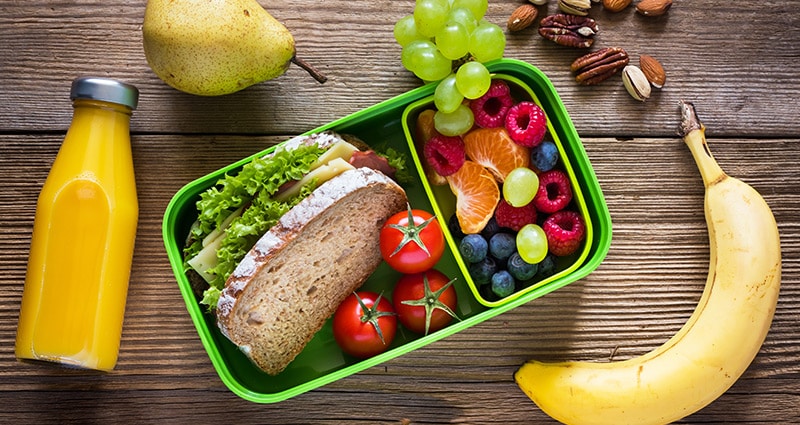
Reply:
x=477 y=195
x=216 y=47
x=494 y=149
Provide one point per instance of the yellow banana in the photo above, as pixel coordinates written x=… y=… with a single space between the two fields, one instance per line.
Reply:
x=717 y=343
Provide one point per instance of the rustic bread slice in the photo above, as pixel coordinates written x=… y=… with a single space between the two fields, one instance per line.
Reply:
x=298 y=273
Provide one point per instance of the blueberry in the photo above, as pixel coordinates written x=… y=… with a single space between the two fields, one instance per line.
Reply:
x=491 y=229
x=547 y=267
x=520 y=269
x=473 y=248
x=545 y=156
x=455 y=227
x=502 y=284
x=502 y=245
x=482 y=271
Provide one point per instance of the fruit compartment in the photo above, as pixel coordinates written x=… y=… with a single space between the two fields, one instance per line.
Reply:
x=444 y=201
x=322 y=362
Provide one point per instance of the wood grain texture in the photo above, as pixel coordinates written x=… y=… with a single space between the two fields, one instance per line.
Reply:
x=737 y=63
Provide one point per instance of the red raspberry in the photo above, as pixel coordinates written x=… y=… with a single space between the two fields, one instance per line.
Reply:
x=554 y=192
x=526 y=123
x=490 y=109
x=445 y=154
x=514 y=218
x=565 y=230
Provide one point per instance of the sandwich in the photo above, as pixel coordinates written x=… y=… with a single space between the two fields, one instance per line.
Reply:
x=278 y=246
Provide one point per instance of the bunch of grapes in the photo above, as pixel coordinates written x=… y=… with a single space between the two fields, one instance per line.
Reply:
x=449 y=41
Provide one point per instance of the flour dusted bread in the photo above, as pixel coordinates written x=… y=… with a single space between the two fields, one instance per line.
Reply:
x=298 y=273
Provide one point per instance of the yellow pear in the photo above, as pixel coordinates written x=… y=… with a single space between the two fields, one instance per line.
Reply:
x=216 y=47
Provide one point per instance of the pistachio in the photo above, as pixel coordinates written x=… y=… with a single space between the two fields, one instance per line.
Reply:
x=575 y=7
x=636 y=83
x=538 y=2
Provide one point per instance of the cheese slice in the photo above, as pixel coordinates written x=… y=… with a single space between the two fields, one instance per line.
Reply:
x=207 y=259
x=321 y=174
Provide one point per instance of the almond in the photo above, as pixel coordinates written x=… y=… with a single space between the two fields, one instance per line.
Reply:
x=653 y=7
x=522 y=17
x=653 y=70
x=616 y=5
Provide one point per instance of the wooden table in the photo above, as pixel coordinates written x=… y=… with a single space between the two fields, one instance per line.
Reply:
x=738 y=61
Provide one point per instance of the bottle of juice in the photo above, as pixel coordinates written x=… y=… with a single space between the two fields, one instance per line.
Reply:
x=76 y=285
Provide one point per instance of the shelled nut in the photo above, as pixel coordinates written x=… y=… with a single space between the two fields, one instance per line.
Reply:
x=616 y=5
x=653 y=7
x=522 y=17
x=569 y=30
x=598 y=66
x=653 y=70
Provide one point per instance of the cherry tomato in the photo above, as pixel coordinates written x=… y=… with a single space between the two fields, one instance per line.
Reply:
x=364 y=324
x=412 y=241
x=425 y=302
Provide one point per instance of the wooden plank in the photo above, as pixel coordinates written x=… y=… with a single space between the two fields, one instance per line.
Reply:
x=720 y=63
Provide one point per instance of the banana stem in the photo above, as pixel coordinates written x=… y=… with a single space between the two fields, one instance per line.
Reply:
x=310 y=69
x=693 y=132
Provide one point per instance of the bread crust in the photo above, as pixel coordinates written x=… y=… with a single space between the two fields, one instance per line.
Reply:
x=297 y=274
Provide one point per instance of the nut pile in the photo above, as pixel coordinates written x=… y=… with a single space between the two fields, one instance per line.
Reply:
x=572 y=27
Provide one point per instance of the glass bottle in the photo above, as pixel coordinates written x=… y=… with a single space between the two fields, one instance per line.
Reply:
x=76 y=285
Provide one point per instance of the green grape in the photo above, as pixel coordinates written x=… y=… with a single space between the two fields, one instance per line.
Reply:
x=532 y=243
x=487 y=42
x=520 y=186
x=477 y=7
x=431 y=65
x=430 y=16
x=446 y=97
x=463 y=16
x=411 y=52
x=473 y=79
x=452 y=40
x=455 y=123
x=405 y=30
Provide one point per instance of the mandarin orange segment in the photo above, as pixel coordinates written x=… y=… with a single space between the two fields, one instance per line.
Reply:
x=494 y=149
x=477 y=195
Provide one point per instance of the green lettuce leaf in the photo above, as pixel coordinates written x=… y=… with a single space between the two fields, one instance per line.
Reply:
x=253 y=186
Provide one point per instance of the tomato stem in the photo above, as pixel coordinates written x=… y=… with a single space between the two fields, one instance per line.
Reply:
x=372 y=314
x=430 y=300
x=411 y=232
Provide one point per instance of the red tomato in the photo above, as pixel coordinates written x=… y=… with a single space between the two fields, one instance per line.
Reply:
x=412 y=241
x=364 y=324
x=425 y=302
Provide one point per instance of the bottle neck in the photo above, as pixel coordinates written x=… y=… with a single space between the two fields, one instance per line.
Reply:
x=99 y=104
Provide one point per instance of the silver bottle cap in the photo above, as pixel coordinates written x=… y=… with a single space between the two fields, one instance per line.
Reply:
x=105 y=89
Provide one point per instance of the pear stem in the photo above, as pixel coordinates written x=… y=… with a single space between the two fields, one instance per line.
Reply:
x=310 y=69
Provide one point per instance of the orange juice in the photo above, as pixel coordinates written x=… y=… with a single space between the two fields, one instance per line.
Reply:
x=76 y=285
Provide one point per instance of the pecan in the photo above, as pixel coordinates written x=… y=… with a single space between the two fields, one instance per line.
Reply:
x=598 y=66
x=569 y=30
